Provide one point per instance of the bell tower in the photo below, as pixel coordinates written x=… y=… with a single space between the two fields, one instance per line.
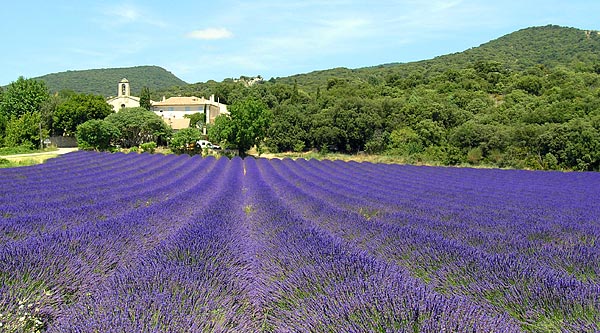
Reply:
x=123 y=88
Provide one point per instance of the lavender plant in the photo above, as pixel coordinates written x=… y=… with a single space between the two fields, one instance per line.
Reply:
x=97 y=242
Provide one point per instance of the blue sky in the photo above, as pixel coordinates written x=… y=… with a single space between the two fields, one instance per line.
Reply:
x=201 y=40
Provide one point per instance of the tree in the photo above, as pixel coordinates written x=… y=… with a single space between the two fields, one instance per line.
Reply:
x=221 y=130
x=138 y=125
x=25 y=131
x=145 y=98
x=96 y=134
x=246 y=126
x=24 y=96
x=288 y=130
x=574 y=145
x=197 y=120
x=184 y=141
x=78 y=109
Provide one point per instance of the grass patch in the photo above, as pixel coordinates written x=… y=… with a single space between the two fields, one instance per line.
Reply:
x=368 y=213
x=19 y=161
x=23 y=150
x=371 y=158
x=337 y=156
x=248 y=209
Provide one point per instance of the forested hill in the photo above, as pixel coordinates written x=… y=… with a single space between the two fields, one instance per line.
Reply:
x=104 y=81
x=530 y=99
x=548 y=46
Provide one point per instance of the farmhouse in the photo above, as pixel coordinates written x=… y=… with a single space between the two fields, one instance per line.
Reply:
x=173 y=109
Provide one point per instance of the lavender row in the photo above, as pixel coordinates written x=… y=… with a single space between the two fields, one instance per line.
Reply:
x=51 y=272
x=561 y=231
x=449 y=265
x=150 y=243
x=30 y=217
x=195 y=280
x=317 y=282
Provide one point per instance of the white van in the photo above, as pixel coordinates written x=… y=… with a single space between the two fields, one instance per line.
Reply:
x=206 y=144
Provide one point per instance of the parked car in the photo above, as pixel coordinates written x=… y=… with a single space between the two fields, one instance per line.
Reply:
x=207 y=144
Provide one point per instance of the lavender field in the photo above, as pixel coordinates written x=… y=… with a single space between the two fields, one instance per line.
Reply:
x=97 y=242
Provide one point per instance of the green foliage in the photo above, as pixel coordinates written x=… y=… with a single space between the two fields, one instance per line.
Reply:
x=104 y=81
x=25 y=131
x=405 y=141
x=15 y=150
x=530 y=99
x=378 y=142
x=548 y=46
x=97 y=134
x=78 y=109
x=137 y=126
x=575 y=144
x=247 y=125
x=197 y=119
x=24 y=96
x=145 y=98
x=221 y=130
x=148 y=147
x=289 y=129
x=184 y=141
x=517 y=101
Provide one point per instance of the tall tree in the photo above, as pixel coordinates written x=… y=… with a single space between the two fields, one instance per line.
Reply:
x=78 y=109
x=245 y=127
x=25 y=131
x=145 y=98
x=24 y=96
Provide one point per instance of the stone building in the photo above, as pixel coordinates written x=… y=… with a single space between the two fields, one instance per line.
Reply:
x=124 y=98
x=173 y=109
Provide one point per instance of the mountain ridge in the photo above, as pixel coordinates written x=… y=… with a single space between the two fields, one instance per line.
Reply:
x=103 y=81
x=548 y=46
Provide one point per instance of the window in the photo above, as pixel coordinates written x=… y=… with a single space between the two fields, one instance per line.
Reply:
x=123 y=88
x=187 y=108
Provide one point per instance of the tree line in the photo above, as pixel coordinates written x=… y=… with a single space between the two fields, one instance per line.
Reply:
x=29 y=114
x=542 y=112
x=540 y=118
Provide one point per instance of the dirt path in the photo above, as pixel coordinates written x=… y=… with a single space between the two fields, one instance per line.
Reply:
x=60 y=151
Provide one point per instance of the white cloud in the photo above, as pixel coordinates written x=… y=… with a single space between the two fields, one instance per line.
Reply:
x=122 y=14
x=127 y=13
x=210 y=34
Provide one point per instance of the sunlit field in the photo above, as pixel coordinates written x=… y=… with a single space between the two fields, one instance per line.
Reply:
x=98 y=242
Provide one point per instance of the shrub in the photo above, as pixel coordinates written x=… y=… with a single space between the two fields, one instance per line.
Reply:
x=96 y=134
x=184 y=141
x=148 y=147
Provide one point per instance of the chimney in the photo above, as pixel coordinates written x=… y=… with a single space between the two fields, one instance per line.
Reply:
x=212 y=98
x=164 y=98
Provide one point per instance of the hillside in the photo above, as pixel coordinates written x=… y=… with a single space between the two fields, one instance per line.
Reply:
x=550 y=46
x=529 y=99
x=103 y=81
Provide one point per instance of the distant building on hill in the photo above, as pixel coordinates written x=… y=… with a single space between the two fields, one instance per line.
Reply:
x=172 y=109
